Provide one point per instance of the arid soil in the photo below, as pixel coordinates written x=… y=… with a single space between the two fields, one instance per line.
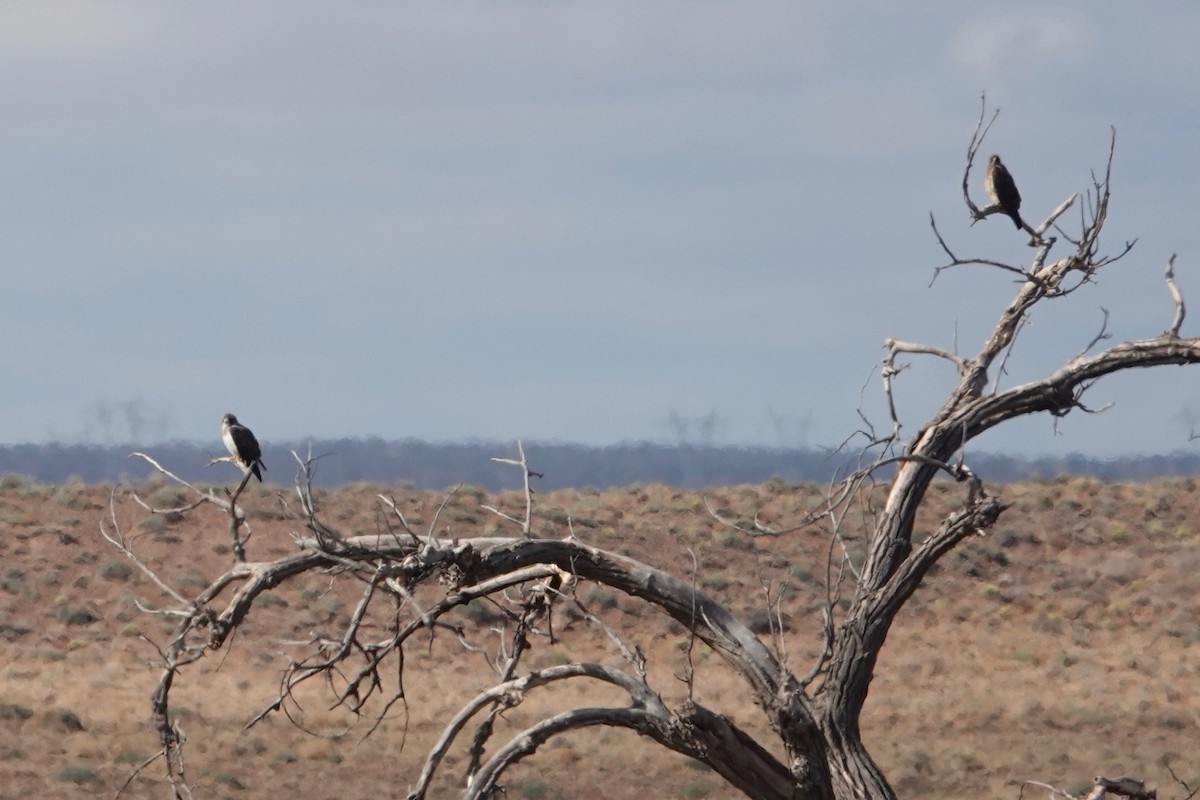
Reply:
x=1064 y=644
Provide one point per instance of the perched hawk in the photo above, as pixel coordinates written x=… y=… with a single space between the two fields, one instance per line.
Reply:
x=1000 y=187
x=242 y=445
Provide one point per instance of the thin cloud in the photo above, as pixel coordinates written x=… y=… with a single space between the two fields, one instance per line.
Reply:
x=1006 y=42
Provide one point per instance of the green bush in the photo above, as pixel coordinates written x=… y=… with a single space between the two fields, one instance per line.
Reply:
x=12 y=582
x=534 y=790
x=76 y=616
x=226 y=779
x=600 y=598
x=167 y=497
x=267 y=600
x=77 y=774
x=10 y=481
x=69 y=719
x=153 y=524
x=739 y=541
x=10 y=711
x=117 y=569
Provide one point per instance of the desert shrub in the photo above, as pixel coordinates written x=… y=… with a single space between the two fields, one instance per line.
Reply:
x=12 y=582
x=77 y=774
x=13 y=711
x=166 y=497
x=226 y=779
x=534 y=790
x=599 y=598
x=74 y=494
x=194 y=579
x=482 y=612
x=329 y=606
x=117 y=569
x=264 y=600
x=153 y=524
x=738 y=541
x=801 y=573
x=764 y=621
x=553 y=658
x=11 y=481
x=76 y=616
x=67 y=718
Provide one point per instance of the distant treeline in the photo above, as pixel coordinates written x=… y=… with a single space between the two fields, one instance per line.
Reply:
x=438 y=466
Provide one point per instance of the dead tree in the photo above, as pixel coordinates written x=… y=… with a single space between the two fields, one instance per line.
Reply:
x=410 y=579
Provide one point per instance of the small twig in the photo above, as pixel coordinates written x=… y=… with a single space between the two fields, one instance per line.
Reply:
x=390 y=502
x=1101 y=336
x=209 y=495
x=826 y=636
x=759 y=528
x=175 y=510
x=1177 y=296
x=955 y=261
x=1054 y=790
x=1051 y=219
x=896 y=346
x=887 y=372
x=1002 y=369
x=980 y=133
x=138 y=771
x=1190 y=791
x=523 y=463
x=441 y=507
x=117 y=540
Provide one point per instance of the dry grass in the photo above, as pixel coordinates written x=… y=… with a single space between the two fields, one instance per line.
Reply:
x=1062 y=645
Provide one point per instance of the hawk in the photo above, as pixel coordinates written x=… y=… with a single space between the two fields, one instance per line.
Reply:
x=242 y=446
x=1000 y=187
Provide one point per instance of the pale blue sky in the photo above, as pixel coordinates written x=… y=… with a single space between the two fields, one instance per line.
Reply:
x=565 y=221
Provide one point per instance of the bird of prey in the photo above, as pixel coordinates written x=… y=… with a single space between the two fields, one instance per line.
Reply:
x=242 y=445
x=1003 y=191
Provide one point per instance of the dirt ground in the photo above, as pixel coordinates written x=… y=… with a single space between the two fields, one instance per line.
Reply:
x=1063 y=645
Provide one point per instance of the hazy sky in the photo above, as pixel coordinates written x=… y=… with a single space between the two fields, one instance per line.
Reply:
x=587 y=222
